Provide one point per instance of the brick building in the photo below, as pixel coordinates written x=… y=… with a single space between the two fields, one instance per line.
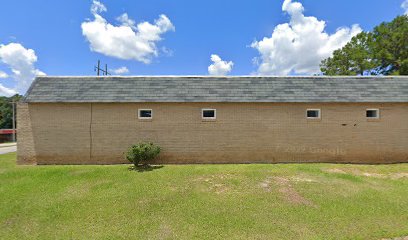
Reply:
x=93 y=120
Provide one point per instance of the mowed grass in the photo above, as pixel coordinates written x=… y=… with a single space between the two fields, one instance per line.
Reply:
x=277 y=201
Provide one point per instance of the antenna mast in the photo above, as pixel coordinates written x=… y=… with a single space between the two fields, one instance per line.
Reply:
x=98 y=69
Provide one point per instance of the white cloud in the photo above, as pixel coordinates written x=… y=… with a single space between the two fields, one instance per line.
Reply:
x=299 y=46
x=3 y=74
x=97 y=7
x=404 y=5
x=21 y=62
x=127 y=40
x=126 y=21
x=4 y=91
x=121 y=70
x=219 y=67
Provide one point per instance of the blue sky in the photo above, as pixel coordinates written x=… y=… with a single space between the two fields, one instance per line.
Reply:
x=233 y=30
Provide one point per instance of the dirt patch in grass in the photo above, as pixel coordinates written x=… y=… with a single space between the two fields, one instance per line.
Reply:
x=289 y=193
x=77 y=191
x=220 y=188
x=302 y=179
x=77 y=172
x=357 y=172
x=398 y=176
x=165 y=232
x=397 y=238
x=367 y=174
x=335 y=170
x=11 y=221
x=82 y=190
x=266 y=185
x=217 y=183
x=286 y=189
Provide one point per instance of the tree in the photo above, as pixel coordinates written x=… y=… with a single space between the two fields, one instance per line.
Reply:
x=390 y=46
x=353 y=59
x=6 y=111
x=383 y=51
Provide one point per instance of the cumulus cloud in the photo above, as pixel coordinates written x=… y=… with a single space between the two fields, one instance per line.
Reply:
x=5 y=91
x=404 y=6
x=121 y=70
x=219 y=67
x=126 y=21
x=21 y=61
x=299 y=46
x=3 y=74
x=97 y=7
x=128 y=40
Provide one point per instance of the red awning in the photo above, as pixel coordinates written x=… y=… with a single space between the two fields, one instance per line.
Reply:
x=6 y=131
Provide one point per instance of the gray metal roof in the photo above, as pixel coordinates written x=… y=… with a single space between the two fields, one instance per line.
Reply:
x=218 y=89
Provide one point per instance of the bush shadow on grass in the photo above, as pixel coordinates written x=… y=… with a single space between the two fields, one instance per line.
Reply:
x=144 y=168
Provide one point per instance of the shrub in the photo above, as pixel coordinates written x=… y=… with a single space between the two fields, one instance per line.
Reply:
x=142 y=153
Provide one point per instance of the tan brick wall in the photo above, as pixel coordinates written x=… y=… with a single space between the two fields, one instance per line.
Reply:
x=60 y=133
x=242 y=132
x=25 y=139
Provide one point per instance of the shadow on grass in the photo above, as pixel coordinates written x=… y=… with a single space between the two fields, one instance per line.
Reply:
x=145 y=168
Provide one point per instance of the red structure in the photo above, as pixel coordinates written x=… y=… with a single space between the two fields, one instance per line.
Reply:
x=6 y=135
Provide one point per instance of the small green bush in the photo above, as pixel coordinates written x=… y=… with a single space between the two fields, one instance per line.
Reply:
x=142 y=153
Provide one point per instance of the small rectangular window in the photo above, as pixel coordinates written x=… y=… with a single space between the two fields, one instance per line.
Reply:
x=145 y=114
x=208 y=114
x=373 y=113
x=313 y=113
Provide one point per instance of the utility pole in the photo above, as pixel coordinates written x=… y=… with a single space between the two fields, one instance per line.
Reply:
x=98 y=69
x=14 y=121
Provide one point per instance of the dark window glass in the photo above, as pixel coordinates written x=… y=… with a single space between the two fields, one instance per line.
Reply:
x=208 y=113
x=145 y=113
x=312 y=113
x=372 y=113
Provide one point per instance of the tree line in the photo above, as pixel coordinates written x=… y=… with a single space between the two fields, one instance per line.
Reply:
x=383 y=51
x=6 y=111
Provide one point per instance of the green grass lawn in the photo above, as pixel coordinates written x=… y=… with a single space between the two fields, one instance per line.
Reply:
x=279 y=201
